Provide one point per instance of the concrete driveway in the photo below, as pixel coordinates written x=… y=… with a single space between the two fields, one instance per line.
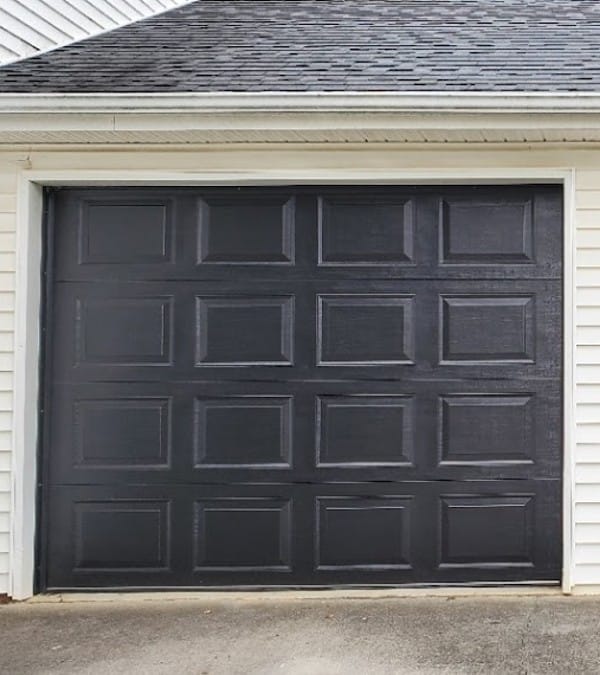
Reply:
x=315 y=635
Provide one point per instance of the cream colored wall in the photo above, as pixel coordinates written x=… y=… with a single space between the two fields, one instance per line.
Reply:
x=319 y=163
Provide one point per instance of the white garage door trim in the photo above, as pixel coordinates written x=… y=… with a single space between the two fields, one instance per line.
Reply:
x=28 y=309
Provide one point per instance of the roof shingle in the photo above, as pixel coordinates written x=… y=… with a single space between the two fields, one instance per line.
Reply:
x=332 y=45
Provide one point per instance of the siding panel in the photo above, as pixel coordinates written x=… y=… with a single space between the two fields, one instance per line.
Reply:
x=588 y=453
x=588 y=471
x=5 y=441
x=587 y=395
x=8 y=206
x=28 y=26
x=4 y=504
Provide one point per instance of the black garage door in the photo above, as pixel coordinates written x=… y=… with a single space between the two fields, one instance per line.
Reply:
x=302 y=386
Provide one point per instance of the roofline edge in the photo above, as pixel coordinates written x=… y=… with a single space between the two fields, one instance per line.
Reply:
x=287 y=101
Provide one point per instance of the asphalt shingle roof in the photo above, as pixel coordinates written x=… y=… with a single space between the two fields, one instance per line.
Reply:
x=333 y=45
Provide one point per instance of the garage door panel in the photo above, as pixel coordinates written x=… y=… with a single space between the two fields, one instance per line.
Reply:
x=304 y=431
x=223 y=235
x=104 y=536
x=490 y=329
x=244 y=330
x=465 y=519
x=305 y=534
x=393 y=232
x=122 y=432
x=233 y=534
x=488 y=527
x=381 y=330
x=160 y=536
x=303 y=386
x=486 y=231
x=250 y=432
x=122 y=234
x=513 y=231
x=361 y=230
x=115 y=535
x=479 y=429
x=365 y=330
x=132 y=331
x=363 y=533
x=354 y=431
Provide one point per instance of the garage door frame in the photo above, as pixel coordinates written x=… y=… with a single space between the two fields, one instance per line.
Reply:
x=29 y=303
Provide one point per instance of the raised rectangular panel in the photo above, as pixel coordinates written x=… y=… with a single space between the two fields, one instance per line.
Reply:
x=124 y=331
x=363 y=533
x=492 y=329
x=365 y=330
x=365 y=430
x=497 y=232
x=122 y=535
x=484 y=531
x=243 y=534
x=246 y=230
x=487 y=428
x=126 y=233
x=122 y=433
x=251 y=432
x=356 y=230
x=244 y=331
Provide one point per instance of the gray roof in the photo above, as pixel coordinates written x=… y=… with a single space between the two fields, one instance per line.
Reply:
x=333 y=45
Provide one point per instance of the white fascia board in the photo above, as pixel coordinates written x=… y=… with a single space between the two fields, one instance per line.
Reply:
x=384 y=101
x=26 y=117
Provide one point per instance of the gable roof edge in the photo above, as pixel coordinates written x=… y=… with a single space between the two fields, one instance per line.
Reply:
x=279 y=101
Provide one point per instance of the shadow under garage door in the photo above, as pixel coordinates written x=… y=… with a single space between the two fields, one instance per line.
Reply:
x=302 y=386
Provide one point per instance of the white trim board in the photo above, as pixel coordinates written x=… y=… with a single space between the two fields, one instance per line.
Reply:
x=29 y=298
x=322 y=101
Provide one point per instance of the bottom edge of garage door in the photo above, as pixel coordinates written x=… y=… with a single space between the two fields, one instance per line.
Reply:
x=258 y=588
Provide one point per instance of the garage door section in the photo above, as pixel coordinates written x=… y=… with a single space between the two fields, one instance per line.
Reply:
x=302 y=386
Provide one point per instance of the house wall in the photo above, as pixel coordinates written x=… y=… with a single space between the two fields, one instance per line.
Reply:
x=30 y=26
x=321 y=163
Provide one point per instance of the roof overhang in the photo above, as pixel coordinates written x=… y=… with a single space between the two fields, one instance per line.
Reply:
x=230 y=117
